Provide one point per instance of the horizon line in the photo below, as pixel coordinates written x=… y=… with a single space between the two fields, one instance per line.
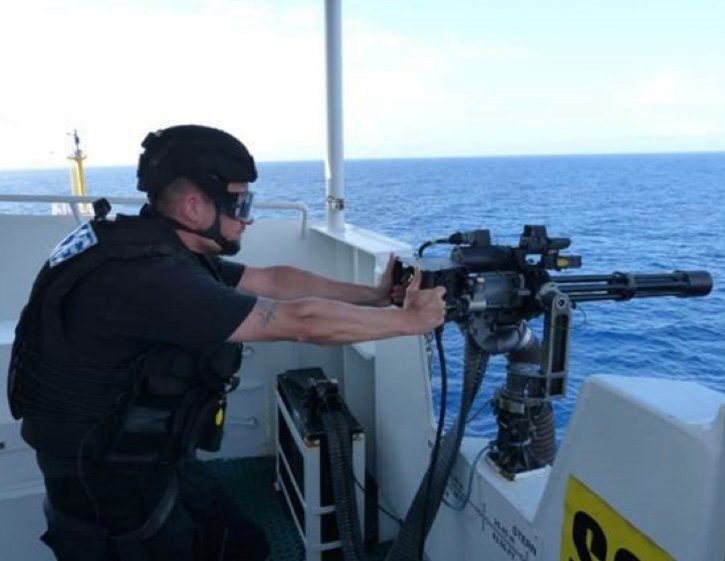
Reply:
x=389 y=158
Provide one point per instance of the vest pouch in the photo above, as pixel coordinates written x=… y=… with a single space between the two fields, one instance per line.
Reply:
x=223 y=363
x=199 y=422
x=146 y=433
x=142 y=438
x=211 y=439
x=169 y=371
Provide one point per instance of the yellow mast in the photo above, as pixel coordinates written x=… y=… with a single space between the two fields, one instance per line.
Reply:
x=77 y=174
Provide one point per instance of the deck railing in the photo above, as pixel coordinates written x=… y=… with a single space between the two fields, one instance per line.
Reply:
x=77 y=204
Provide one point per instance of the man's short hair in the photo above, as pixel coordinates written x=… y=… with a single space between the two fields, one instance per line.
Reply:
x=166 y=199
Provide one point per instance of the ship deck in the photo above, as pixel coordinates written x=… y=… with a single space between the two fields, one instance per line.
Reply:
x=251 y=483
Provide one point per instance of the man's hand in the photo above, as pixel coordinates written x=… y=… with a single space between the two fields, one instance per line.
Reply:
x=389 y=293
x=427 y=306
x=385 y=288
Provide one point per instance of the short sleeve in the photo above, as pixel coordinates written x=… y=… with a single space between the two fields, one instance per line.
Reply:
x=161 y=300
x=229 y=271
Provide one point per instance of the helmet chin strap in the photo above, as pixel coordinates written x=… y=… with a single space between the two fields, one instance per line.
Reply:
x=213 y=232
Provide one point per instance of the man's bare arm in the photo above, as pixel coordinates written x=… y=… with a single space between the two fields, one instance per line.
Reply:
x=321 y=321
x=290 y=283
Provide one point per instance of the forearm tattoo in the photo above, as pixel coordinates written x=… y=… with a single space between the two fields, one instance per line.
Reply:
x=266 y=310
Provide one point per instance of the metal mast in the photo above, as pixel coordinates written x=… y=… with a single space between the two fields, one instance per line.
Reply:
x=334 y=161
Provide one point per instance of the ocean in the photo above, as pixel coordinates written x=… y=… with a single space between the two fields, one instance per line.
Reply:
x=631 y=213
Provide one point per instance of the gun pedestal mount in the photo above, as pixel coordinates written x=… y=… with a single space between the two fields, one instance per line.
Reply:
x=535 y=374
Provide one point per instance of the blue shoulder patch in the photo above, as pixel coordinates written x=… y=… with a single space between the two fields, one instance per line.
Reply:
x=76 y=242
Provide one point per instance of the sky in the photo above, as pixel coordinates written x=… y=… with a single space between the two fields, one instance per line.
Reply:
x=422 y=78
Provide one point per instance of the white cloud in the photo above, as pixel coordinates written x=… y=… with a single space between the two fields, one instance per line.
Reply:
x=128 y=71
x=118 y=68
x=673 y=86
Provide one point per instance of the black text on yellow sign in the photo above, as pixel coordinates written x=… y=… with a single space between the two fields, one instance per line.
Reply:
x=594 y=531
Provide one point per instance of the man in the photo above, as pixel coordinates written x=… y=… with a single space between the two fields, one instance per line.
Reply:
x=131 y=339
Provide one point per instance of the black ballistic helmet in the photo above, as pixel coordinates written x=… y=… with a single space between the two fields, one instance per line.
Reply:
x=209 y=157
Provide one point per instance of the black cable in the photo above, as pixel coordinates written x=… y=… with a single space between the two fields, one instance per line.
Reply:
x=366 y=492
x=81 y=473
x=424 y=246
x=429 y=243
x=444 y=391
x=405 y=547
x=439 y=433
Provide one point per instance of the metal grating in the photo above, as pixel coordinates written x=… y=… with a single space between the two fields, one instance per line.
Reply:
x=250 y=482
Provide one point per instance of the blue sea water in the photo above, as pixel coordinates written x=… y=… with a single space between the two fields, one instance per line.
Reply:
x=636 y=213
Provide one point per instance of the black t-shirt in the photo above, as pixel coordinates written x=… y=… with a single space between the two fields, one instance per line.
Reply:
x=124 y=307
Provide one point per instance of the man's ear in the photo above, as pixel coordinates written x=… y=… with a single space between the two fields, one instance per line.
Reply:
x=193 y=208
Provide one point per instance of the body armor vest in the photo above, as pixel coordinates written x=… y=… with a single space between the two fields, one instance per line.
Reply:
x=156 y=408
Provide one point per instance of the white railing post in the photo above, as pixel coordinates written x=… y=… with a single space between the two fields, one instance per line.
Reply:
x=334 y=161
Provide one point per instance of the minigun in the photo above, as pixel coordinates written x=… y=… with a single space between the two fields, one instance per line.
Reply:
x=491 y=293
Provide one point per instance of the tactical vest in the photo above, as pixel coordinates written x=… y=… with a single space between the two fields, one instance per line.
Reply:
x=156 y=408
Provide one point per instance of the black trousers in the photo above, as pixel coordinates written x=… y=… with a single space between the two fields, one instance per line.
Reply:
x=203 y=525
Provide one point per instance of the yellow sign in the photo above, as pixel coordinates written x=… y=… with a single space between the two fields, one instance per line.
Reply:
x=594 y=531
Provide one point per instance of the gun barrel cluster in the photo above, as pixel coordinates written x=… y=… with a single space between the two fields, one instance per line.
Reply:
x=623 y=286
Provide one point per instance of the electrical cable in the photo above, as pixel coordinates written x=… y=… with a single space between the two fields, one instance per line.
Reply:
x=406 y=546
x=382 y=509
x=465 y=500
x=366 y=491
